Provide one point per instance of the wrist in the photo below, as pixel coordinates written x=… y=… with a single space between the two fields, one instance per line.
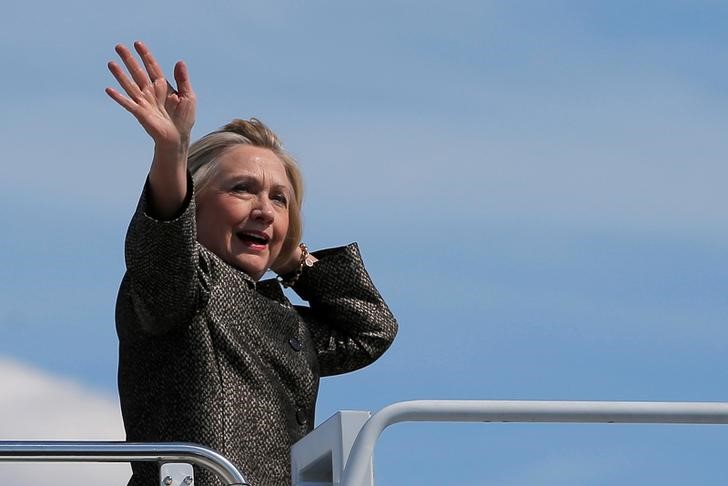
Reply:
x=171 y=154
x=289 y=275
x=172 y=147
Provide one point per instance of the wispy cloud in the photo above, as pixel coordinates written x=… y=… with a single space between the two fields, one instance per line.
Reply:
x=37 y=405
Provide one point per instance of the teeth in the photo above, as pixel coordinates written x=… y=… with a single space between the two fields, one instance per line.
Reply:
x=255 y=237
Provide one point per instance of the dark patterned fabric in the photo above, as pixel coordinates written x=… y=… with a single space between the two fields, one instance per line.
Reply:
x=207 y=355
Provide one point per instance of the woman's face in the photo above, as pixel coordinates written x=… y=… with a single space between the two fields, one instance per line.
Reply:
x=242 y=215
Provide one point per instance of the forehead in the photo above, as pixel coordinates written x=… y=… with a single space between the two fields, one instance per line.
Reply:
x=248 y=160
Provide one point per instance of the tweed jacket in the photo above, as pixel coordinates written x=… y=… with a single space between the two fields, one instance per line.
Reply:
x=210 y=356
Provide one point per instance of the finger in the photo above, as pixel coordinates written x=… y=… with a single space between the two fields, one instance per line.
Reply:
x=182 y=77
x=161 y=92
x=170 y=90
x=131 y=88
x=125 y=102
x=150 y=63
x=135 y=70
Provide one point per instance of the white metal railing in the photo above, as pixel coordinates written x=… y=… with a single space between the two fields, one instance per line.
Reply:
x=171 y=452
x=358 y=435
x=358 y=456
x=522 y=411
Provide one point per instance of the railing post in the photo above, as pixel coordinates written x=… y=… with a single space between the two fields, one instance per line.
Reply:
x=355 y=471
x=319 y=458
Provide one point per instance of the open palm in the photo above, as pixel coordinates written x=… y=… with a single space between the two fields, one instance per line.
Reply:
x=166 y=114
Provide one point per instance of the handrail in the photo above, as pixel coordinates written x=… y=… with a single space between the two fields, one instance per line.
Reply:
x=64 y=451
x=522 y=411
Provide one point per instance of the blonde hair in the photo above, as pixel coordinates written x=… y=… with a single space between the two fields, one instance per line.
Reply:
x=202 y=163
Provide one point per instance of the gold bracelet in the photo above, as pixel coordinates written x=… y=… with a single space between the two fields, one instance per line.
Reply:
x=290 y=281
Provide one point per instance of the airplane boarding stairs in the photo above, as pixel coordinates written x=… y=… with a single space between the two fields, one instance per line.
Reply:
x=339 y=451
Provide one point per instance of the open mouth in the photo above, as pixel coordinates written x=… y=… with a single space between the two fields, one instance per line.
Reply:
x=253 y=238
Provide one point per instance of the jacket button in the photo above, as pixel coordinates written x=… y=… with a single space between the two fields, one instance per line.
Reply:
x=295 y=344
x=300 y=417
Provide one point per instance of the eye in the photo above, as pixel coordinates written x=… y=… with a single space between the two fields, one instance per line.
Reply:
x=241 y=187
x=280 y=198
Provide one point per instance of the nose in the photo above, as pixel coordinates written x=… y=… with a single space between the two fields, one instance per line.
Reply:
x=263 y=210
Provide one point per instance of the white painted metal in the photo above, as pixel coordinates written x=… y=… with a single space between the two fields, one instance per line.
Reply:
x=355 y=471
x=176 y=474
x=341 y=432
x=319 y=458
x=37 y=451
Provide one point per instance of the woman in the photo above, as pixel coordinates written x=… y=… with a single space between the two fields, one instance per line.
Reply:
x=208 y=353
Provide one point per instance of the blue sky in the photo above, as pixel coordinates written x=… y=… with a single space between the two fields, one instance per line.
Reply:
x=538 y=189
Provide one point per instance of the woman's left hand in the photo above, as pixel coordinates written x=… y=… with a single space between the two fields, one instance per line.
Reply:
x=291 y=263
x=285 y=265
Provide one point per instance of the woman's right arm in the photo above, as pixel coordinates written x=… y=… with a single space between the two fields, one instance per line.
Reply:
x=163 y=281
x=167 y=115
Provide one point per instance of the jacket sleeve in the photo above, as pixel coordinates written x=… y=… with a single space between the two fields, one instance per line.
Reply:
x=349 y=322
x=165 y=267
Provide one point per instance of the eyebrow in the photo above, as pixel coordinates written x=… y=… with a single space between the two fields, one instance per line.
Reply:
x=247 y=176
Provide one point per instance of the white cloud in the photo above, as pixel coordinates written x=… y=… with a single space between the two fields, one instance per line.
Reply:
x=36 y=405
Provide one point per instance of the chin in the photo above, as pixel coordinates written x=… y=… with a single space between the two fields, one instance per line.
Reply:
x=254 y=270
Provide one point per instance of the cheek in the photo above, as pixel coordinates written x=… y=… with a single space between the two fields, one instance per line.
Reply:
x=282 y=226
x=205 y=232
x=281 y=230
x=213 y=222
x=227 y=214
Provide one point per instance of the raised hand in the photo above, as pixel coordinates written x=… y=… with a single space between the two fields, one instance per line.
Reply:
x=166 y=114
